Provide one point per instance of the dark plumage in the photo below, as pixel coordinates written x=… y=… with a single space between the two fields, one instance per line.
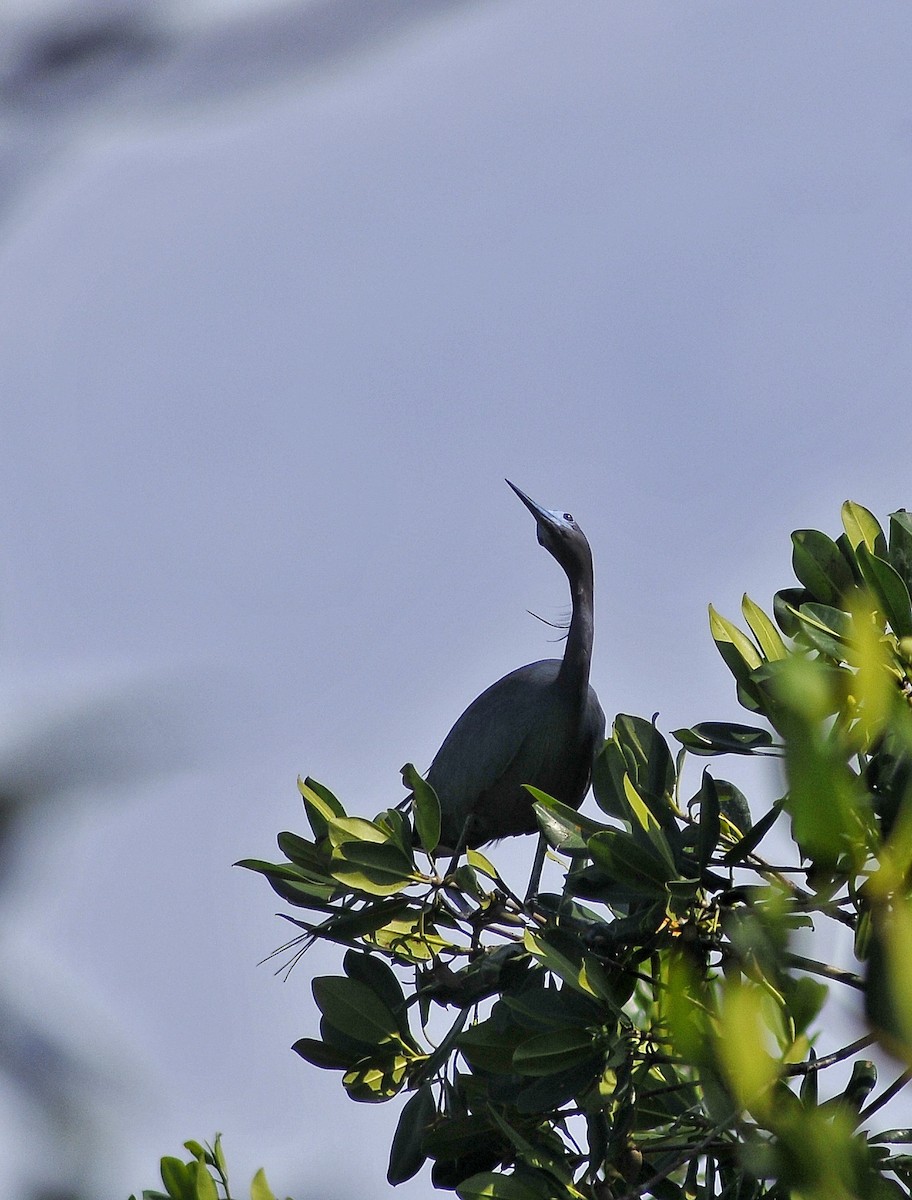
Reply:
x=541 y=724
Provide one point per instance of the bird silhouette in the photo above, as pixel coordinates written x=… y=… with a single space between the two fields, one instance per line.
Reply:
x=541 y=724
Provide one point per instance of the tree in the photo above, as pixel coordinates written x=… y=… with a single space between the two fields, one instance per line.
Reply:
x=651 y=1030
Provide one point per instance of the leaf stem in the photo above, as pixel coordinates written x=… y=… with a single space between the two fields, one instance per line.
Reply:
x=813 y=967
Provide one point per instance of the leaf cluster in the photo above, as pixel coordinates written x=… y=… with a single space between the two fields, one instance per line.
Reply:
x=651 y=1029
x=204 y=1176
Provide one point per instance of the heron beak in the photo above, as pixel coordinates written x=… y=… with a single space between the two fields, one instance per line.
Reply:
x=539 y=513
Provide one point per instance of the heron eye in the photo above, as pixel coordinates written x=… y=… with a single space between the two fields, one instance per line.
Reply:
x=568 y=517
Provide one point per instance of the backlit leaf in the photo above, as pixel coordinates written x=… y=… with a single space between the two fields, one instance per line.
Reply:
x=354 y=1009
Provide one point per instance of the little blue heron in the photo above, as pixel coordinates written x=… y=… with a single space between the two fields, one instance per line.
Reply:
x=541 y=724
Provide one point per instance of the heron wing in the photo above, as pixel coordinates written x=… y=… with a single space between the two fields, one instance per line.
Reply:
x=497 y=728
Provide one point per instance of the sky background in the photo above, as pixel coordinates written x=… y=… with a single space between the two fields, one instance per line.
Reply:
x=267 y=351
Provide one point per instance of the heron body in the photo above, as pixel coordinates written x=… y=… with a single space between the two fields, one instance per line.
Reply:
x=541 y=724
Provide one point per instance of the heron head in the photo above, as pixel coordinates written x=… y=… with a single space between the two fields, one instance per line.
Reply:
x=559 y=533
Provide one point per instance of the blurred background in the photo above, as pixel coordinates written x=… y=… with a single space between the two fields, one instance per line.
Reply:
x=286 y=289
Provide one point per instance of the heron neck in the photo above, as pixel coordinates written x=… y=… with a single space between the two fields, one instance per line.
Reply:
x=574 y=670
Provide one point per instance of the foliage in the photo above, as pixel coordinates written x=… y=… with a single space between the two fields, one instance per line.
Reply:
x=651 y=1029
x=203 y=1177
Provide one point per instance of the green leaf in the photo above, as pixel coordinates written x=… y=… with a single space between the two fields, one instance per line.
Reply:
x=733 y=806
x=490 y=1044
x=608 y=772
x=351 y=924
x=355 y=829
x=648 y=762
x=763 y=629
x=385 y=858
x=546 y=1092
x=378 y=870
x=544 y=1008
x=478 y=862
x=204 y=1184
x=406 y=1153
x=736 y=647
x=626 y=861
x=752 y=839
x=549 y=1053
x=374 y=973
x=303 y=853
x=319 y=804
x=723 y=737
x=563 y=826
x=898 y=1136
x=786 y=604
x=354 y=1009
x=490 y=1186
x=804 y=999
x=827 y=629
x=178 y=1181
x=259 y=1188
x=562 y=959
x=739 y=654
x=376 y=1080
x=900 y=555
x=862 y=528
x=710 y=824
x=820 y=566
x=427 y=808
x=320 y=1054
x=889 y=590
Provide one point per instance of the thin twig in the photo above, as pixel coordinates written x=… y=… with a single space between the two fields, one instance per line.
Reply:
x=824 y=969
x=691 y=1152
x=820 y=1064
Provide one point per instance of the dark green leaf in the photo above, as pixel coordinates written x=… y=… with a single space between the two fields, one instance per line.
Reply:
x=608 y=773
x=646 y=754
x=809 y=1088
x=710 y=826
x=374 y=973
x=460 y=1136
x=354 y=1008
x=303 y=853
x=319 y=1054
x=901 y=545
x=786 y=604
x=898 y=1136
x=490 y=1045
x=547 y=1092
x=733 y=805
x=723 y=737
x=629 y=863
x=549 y=1053
x=406 y=1154
x=349 y=925
x=889 y=591
x=861 y=1084
x=554 y=1008
x=750 y=841
x=820 y=566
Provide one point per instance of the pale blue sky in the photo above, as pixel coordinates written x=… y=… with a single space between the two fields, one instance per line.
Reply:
x=264 y=369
